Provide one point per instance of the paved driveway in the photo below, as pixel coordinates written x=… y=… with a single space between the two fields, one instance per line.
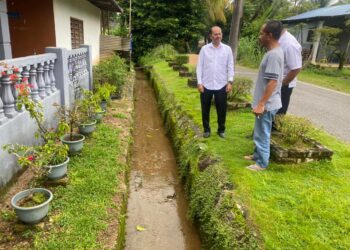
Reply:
x=326 y=108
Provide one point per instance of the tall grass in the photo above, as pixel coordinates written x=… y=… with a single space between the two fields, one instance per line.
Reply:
x=249 y=52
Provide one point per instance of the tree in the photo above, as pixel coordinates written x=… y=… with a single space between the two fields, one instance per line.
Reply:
x=342 y=55
x=235 y=27
x=328 y=41
x=156 y=22
x=216 y=10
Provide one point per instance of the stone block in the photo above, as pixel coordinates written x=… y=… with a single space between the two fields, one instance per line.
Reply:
x=192 y=82
x=238 y=105
x=314 y=153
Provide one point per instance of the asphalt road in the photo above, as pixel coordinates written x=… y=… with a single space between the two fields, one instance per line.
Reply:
x=326 y=109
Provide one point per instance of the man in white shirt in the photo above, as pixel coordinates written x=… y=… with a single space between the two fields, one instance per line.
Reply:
x=292 y=66
x=215 y=78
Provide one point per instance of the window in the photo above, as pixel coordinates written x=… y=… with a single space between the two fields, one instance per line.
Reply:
x=310 y=36
x=77 y=32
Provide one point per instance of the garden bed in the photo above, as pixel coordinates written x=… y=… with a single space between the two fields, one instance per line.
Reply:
x=310 y=150
x=238 y=105
x=192 y=82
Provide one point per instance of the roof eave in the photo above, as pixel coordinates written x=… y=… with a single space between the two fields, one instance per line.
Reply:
x=311 y=19
x=110 y=5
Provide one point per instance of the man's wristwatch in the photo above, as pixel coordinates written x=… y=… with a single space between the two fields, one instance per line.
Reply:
x=230 y=82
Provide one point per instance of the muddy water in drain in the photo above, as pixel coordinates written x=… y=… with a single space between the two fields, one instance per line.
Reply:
x=156 y=202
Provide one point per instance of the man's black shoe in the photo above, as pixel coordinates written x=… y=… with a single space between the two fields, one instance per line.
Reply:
x=222 y=134
x=206 y=134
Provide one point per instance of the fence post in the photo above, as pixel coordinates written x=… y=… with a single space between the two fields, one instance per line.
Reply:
x=5 y=41
x=89 y=63
x=61 y=73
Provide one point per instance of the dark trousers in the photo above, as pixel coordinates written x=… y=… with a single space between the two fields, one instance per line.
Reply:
x=220 y=97
x=286 y=92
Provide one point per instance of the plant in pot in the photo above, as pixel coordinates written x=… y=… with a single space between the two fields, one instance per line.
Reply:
x=87 y=107
x=32 y=205
x=103 y=93
x=71 y=117
x=51 y=153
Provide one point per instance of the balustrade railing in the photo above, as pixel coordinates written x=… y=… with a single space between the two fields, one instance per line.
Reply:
x=41 y=72
x=78 y=64
x=34 y=70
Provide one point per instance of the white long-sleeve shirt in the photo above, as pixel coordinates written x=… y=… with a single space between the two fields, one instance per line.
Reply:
x=292 y=55
x=215 y=66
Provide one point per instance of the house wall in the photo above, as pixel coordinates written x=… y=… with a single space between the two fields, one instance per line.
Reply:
x=82 y=10
x=301 y=33
x=27 y=21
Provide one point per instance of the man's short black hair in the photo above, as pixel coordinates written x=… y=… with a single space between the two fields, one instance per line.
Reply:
x=274 y=27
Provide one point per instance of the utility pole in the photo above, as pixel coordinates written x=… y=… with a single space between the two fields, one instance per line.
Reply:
x=235 y=25
x=130 y=36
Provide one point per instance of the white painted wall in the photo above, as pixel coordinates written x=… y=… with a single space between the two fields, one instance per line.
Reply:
x=82 y=10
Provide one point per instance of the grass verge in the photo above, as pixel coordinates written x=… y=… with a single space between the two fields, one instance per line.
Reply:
x=304 y=206
x=329 y=78
x=334 y=79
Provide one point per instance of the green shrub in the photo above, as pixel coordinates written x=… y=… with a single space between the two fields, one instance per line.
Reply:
x=240 y=89
x=249 y=52
x=293 y=129
x=111 y=70
x=162 y=52
x=103 y=91
x=181 y=59
x=122 y=31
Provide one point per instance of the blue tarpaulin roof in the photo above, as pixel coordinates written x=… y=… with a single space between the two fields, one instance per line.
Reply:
x=320 y=14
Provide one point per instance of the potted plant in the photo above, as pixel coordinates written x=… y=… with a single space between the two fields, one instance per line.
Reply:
x=99 y=113
x=33 y=204
x=87 y=107
x=51 y=153
x=103 y=93
x=70 y=116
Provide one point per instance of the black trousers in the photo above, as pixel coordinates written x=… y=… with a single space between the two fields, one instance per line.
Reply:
x=220 y=97
x=286 y=92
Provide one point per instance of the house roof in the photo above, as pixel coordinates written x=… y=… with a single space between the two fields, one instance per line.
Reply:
x=320 y=14
x=107 y=5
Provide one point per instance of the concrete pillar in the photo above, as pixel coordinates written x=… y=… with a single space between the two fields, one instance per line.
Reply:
x=5 y=40
x=61 y=73
x=89 y=63
x=316 y=43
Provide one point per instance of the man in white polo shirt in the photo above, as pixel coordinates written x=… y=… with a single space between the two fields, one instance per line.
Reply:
x=215 y=78
x=292 y=66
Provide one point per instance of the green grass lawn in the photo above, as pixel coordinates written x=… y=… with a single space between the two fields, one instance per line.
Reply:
x=338 y=81
x=304 y=206
x=329 y=78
